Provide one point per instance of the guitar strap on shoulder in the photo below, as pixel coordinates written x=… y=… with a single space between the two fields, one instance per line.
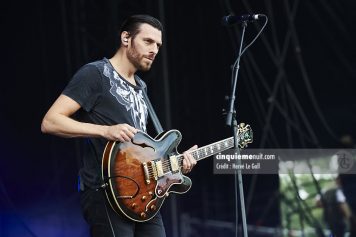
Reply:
x=151 y=111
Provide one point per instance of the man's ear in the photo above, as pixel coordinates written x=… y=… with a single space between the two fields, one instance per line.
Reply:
x=125 y=37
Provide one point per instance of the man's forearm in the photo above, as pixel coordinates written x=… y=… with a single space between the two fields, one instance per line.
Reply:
x=63 y=126
x=346 y=210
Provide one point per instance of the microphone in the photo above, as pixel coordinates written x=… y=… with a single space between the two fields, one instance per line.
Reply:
x=231 y=19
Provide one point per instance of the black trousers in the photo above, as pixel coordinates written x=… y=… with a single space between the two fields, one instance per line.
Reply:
x=96 y=209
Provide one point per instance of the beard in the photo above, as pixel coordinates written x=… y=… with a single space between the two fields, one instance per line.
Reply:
x=138 y=59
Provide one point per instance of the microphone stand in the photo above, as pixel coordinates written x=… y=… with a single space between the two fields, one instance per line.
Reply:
x=231 y=121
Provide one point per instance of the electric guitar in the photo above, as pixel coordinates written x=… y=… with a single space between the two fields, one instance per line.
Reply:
x=140 y=174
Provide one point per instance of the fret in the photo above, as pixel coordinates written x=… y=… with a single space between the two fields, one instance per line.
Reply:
x=180 y=160
x=209 y=150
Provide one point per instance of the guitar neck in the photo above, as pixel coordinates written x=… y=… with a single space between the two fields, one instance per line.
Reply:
x=209 y=150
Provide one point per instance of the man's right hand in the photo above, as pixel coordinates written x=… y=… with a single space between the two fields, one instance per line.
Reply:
x=120 y=132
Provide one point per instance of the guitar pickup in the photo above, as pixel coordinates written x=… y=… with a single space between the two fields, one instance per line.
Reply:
x=174 y=164
x=159 y=168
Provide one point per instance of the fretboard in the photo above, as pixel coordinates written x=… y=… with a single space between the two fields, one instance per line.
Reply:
x=209 y=150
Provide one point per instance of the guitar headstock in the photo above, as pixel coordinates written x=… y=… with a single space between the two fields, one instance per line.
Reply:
x=245 y=134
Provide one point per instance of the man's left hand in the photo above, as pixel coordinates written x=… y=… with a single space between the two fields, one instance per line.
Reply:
x=188 y=160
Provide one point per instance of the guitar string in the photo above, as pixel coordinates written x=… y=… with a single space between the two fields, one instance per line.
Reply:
x=197 y=154
x=213 y=148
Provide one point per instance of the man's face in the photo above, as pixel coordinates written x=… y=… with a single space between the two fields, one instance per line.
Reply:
x=143 y=49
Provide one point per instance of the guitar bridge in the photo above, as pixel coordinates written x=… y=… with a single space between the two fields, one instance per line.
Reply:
x=151 y=169
x=156 y=170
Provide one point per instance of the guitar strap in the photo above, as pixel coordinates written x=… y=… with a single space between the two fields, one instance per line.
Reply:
x=151 y=111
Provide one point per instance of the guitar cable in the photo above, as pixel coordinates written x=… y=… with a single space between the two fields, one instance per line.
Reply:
x=109 y=219
x=105 y=184
x=103 y=187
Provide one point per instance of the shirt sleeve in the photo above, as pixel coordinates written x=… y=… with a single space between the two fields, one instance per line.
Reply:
x=85 y=87
x=340 y=197
x=317 y=197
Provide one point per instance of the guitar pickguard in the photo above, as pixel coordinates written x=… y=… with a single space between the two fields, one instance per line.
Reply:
x=164 y=183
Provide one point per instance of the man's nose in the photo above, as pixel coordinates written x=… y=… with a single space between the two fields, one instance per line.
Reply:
x=155 y=49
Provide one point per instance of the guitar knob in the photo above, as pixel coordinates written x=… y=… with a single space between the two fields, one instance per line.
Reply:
x=143 y=198
x=150 y=193
x=143 y=215
x=133 y=205
x=153 y=208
